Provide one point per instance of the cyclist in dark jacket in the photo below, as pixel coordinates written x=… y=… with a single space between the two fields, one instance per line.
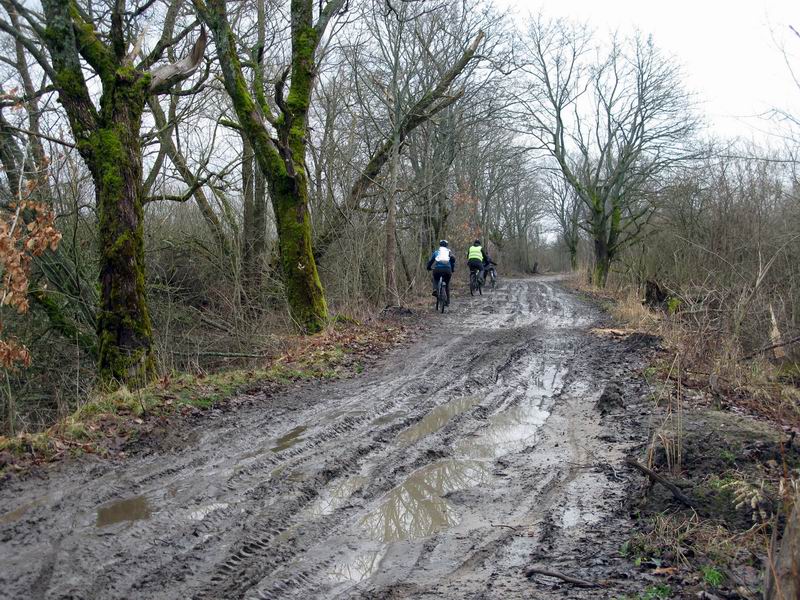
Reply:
x=443 y=264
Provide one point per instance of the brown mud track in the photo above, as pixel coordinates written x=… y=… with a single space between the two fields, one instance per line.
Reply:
x=443 y=472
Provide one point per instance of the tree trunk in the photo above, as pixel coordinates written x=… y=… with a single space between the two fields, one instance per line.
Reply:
x=392 y=295
x=602 y=263
x=248 y=218
x=573 y=258
x=783 y=570
x=107 y=138
x=282 y=159
x=114 y=157
x=259 y=232
x=303 y=287
x=11 y=157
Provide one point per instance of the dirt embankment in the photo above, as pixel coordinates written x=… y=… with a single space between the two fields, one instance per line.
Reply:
x=447 y=470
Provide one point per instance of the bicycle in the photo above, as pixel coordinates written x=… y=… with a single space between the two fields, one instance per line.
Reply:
x=442 y=299
x=475 y=283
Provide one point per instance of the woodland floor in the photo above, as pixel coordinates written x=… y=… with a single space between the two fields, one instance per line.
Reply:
x=445 y=470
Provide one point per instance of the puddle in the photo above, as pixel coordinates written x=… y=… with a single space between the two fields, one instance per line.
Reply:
x=436 y=419
x=510 y=431
x=388 y=418
x=132 y=509
x=16 y=514
x=276 y=472
x=202 y=512
x=333 y=497
x=416 y=508
x=357 y=567
x=254 y=453
x=516 y=428
x=289 y=440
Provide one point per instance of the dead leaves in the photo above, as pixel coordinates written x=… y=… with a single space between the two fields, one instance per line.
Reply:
x=27 y=229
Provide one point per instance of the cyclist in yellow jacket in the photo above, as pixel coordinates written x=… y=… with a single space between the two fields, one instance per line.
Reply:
x=475 y=259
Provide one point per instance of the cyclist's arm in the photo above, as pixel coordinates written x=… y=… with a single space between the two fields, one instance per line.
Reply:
x=430 y=261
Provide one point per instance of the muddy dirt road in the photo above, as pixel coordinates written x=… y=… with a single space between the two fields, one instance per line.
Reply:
x=442 y=472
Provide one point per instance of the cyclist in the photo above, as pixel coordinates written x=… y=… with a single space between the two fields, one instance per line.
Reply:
x=443 y=264
x=476 y=258
x=488 y=265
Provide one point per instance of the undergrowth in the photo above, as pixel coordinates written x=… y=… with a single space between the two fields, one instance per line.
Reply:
x=719 y=431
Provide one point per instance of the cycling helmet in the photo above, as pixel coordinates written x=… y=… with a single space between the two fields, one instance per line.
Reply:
x=476 y=243
x=443 y=243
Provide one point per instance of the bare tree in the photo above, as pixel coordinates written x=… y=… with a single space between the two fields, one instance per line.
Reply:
x=566 y=208
x=279 y=140
x=613 y=126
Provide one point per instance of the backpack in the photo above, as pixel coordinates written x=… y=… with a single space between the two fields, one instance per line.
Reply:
x=443 y=255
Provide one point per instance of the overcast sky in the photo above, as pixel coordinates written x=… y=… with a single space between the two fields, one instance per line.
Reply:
x=730 y=49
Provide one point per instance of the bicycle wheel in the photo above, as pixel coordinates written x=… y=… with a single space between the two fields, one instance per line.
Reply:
x=442 y=294
x=494 y=280
x=473 y=282
x=480 y=286
x=438 y=295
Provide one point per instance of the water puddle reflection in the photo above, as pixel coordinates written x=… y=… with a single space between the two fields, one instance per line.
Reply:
x=289 y=440
x=16 y=514
x=131 y=509
x=416 y=508
x=392 y=416
x=335 y=496
x=515 y=428
x=436 y=419
x=509 y=431
x=357 y=567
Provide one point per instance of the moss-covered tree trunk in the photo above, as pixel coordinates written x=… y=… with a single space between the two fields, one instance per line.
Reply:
x=602 y=263
x=605 y=230
x=281 y=158
x=108 y=140
x=114 y=157
x=303 y=287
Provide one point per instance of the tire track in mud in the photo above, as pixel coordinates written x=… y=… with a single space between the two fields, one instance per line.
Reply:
x=388 y=485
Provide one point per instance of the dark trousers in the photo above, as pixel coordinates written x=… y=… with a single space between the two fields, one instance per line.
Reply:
x=476 y=265
x=445 y=274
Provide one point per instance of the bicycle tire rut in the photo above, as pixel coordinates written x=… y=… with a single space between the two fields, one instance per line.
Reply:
x=442 y=472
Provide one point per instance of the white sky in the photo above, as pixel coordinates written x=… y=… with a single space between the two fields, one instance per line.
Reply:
x=730 y=50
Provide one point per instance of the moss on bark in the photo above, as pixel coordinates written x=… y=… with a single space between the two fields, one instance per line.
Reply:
x=113 y=154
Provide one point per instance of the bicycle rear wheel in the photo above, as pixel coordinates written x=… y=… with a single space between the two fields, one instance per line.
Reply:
x=473 y=282
x=442 y=295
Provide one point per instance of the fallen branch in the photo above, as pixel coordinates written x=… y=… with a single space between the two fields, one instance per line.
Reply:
x=219 y=354
x=574 y=581
x=794 y=340
x=679 y=495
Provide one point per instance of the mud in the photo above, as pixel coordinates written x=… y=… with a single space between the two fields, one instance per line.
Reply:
x=442 y=472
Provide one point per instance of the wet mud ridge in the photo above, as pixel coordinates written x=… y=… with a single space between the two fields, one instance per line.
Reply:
x=444 y=472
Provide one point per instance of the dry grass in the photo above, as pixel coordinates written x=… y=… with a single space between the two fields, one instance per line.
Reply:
x=709 y=361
